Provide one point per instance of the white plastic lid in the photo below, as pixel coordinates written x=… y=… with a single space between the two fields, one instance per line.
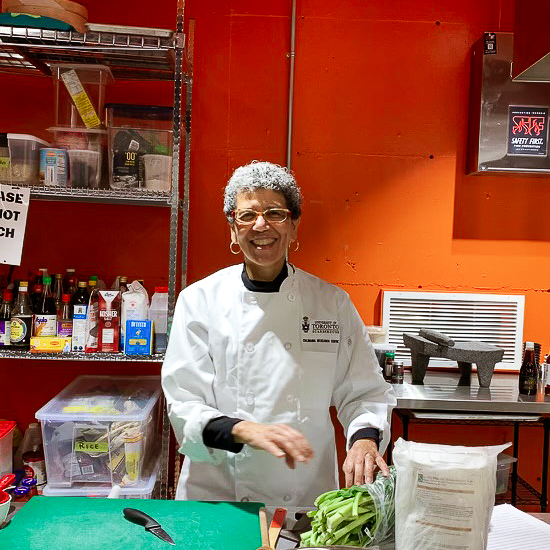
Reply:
x=76 y=130
x=144 y=391
x=27 y=137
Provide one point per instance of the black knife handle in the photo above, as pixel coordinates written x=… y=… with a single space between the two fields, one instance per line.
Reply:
x=139 y=517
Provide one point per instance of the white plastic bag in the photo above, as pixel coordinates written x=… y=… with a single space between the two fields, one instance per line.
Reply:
x=444 y=495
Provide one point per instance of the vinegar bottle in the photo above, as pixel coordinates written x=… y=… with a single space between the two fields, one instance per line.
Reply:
x=65 y=318
x=528 y=372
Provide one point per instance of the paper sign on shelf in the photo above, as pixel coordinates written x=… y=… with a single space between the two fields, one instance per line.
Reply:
x=14 y=204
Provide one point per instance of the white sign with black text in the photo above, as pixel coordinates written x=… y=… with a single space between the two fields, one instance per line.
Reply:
x=14 y=203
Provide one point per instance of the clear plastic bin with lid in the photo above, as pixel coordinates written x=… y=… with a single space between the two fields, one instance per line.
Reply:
x=101 y=429
x=140 y=146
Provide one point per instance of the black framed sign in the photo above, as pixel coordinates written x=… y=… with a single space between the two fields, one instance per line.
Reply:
x=527 y=130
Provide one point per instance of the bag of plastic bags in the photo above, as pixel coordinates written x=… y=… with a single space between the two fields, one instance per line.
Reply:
x=444 y=495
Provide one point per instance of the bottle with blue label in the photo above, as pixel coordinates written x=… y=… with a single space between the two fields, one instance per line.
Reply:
x=5 y=318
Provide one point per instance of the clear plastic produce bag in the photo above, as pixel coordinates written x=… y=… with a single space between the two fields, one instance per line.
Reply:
x=360 y=516
x=444 y=495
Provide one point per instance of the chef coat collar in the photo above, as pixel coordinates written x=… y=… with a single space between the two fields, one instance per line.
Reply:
x=265 y=286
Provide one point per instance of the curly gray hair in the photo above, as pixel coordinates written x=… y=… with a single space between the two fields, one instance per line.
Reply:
x=262 y=175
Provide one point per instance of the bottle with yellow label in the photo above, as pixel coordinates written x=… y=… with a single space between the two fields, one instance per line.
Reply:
x=21 y=319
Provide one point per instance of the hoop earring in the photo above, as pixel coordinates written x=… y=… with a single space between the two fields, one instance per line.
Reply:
x=296 y=247
x=231 y=248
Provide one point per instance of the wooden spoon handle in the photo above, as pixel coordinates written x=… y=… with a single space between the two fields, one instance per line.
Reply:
x=263 y=527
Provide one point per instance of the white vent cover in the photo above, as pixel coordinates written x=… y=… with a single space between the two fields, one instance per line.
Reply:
x=491 y=318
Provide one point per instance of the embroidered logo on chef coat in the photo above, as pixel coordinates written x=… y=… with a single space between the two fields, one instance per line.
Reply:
x=320 y=334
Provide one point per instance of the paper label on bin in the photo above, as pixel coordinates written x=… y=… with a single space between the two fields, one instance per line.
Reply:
x=91 y=447
x=80 y=98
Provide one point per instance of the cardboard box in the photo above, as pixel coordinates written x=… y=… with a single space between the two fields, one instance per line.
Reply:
x=50 y=344
x=138 y=337
x=109 y=321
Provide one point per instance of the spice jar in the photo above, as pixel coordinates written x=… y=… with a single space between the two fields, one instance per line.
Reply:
x=398 y=372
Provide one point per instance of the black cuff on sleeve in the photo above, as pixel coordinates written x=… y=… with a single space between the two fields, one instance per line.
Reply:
x=365 y=433
x=217 y=434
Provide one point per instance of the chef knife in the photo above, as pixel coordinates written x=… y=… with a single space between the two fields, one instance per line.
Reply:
x=150 y=524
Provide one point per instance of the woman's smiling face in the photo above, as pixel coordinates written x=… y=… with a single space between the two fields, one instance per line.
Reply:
x=263 y=244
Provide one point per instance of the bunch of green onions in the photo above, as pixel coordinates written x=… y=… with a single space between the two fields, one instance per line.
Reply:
x=358 y=516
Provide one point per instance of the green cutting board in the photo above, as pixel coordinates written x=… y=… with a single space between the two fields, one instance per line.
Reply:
x=85 y=523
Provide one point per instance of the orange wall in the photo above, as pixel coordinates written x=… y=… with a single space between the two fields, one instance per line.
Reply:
x=380 y=114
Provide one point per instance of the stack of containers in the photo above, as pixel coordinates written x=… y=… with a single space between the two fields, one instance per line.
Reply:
x=24 y=162
x=140 y=146
x=79 y=133
x=102 y=431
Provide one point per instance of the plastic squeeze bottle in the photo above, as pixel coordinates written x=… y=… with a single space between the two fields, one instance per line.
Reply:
x=158 y=313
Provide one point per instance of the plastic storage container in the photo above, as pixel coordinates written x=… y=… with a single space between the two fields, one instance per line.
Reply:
x=86 y=154
x=158 y=313
x=143 y=489
x=140 y=146
x=80 y=94
x=100 y=429
x=6 y=446
x=377 y=334
x=504 y=463
x=25 y=158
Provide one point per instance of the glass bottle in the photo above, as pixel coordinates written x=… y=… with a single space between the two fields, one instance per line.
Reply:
x=71 y=289
x=528 y=371
x=388 y=366
x=5 y=319
x=45 y=318
x=21 y=319
x=70 y=272
x=58 y=290
x=37 y=290
x=123 y=284
x=65 y=317
x=79 y=304
x=92 y=328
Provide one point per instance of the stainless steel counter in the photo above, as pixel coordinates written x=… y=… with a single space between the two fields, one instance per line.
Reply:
x=441 y=392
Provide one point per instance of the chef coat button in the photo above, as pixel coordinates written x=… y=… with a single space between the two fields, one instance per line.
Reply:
x=252 y=300
x=290 y=398
x=291 y=297
x=288 y=345
x=249 y=346
x=249 y=400
x=245 y=499
x=305 y=419
x=287 y=498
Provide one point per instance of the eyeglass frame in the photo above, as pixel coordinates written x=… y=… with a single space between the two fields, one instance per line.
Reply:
x=258 y=214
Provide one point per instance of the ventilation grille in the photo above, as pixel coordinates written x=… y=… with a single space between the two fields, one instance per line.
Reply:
x=491 y=318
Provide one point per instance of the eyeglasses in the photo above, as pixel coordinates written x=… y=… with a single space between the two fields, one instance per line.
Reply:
x=271 y=215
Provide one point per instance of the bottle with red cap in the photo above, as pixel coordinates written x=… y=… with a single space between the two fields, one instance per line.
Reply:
x=65 y=317
x=158 y=313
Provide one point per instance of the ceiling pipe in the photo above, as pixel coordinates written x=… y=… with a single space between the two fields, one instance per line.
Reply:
x=291 y=86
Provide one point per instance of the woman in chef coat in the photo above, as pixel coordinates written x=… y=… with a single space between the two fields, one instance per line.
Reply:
x=258 y=352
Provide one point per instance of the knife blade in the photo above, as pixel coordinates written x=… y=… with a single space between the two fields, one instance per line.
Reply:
x=151 y=525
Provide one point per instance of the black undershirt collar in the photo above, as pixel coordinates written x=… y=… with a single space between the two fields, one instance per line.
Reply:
x=264 y=286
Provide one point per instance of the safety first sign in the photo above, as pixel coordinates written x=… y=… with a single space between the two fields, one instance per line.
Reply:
x=14 y=204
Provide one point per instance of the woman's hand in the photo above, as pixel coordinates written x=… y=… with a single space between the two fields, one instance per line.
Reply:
x=360 y=463
x=278 y=439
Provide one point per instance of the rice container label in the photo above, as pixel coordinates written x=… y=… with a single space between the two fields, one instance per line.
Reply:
x=53 y=167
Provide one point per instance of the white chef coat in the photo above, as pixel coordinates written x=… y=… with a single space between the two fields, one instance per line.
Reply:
x=278 y=357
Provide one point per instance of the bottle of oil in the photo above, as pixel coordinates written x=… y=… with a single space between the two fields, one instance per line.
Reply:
x=528 y=372
x=45 y=317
